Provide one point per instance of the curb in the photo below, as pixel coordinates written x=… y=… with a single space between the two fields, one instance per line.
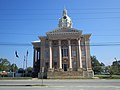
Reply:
x=25 y=85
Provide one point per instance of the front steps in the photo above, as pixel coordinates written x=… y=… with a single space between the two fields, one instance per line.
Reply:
x=65 y=75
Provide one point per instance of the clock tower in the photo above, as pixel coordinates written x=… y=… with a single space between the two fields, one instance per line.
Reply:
x=65 y=21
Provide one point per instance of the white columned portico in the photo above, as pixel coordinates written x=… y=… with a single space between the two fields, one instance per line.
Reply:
x=79 y=54
x=60 y=56
x=50 y=51
x=70 y=60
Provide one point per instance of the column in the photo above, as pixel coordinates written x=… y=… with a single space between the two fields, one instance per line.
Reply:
x=60 y=56
x=86 y=55
x=79 y=54
x=88 y=60
x=50 y=51
x=90 y=72
x=35 y=55
x=70 y=60
x=36 y=67
x=33 y=60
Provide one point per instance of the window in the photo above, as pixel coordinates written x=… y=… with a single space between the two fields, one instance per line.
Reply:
x=82 y=43
x=46 y=64
x=64 y=52
x=74 y=53
x=46 y=54
x=55 y=53
x=46 y=45
x=55 y=65
x=38 y=55
x=75 y=62
x=83 y=53
x=83 y=63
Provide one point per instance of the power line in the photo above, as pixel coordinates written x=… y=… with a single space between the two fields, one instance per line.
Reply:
x=105 y=35
x=57 y=13
x=93 y=35
x=15 y=44
x=28 y=44
x=1 y=20
x=105 y=45
x=60 y=9
x=18 y=33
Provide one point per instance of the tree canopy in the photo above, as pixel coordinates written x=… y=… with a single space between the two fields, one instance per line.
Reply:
x=4 y=64
x=115 y=67
x=97 y=66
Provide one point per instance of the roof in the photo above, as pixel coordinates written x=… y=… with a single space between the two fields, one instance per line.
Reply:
x=64 y=29
x=36 y=43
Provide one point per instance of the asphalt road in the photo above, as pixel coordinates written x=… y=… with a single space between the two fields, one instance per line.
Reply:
x=61 y=85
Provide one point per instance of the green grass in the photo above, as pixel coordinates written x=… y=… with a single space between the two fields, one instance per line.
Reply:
x=15 y=78
x=108 y=76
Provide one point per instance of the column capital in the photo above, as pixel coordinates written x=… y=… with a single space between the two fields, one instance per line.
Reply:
x=78 y=42
x=69 y=42
x=59 y=42
x=50 y=43
x=78 y=38
x=87 y=41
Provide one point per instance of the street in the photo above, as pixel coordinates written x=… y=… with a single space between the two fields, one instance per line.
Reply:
x=60 y=84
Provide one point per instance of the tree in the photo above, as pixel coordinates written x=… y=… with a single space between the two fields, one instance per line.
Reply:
x=4 y=65
x=102 y=64
x=29 y=69
x=115 y=67
x=21 y=70
x=13 y=67
x=96 y=65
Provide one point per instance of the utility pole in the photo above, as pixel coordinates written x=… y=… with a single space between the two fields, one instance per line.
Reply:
x=26 y=61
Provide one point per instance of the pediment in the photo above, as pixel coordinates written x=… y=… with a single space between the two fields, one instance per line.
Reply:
x=64 y=29
x=64 y=33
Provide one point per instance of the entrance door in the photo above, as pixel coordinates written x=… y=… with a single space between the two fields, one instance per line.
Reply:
x=65 y=66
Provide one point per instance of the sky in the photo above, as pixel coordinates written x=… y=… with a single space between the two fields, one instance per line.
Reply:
x=22 y=21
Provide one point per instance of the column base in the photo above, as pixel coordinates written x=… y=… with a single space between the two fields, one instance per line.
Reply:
x=80 y=69
x=69 y=69
x=89 y=69
x=88 y=73
x=50 y=70
x=61 y=70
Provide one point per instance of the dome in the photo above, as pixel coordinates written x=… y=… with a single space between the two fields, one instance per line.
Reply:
x=65 y=21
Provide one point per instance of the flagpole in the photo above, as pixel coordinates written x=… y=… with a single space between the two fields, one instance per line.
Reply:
x=13 y=66
x=26 y=62
x=23 y=65
x=16 y=56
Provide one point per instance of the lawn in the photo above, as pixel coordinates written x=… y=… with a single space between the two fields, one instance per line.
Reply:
x=108 y=76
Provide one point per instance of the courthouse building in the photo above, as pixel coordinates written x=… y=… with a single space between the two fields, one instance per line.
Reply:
x=63 y=52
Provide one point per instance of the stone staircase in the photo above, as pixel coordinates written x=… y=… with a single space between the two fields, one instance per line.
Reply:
x=65 y=75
